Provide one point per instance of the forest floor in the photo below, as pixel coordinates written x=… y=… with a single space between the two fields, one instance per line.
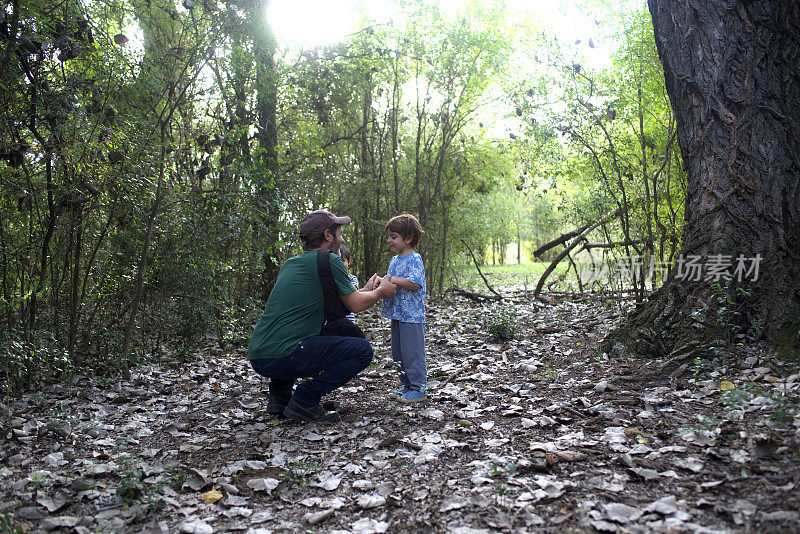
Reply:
x=542 y=433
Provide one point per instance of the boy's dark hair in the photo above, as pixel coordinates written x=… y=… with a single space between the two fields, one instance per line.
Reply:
x=312 y=242
x=407 y=226
x=345 y=254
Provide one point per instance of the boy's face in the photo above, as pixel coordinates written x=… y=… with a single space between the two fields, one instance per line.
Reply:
x=397 y=243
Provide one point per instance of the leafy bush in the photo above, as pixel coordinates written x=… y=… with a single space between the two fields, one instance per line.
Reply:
x=24 y=362
x=500 y=324
x=130 y=486
x=300 y=470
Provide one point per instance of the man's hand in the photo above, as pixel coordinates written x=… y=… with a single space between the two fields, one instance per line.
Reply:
x=360 y=300
x=385 y=287
x=371 y=283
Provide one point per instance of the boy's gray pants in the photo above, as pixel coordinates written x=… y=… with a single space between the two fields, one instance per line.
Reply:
x=408 y=350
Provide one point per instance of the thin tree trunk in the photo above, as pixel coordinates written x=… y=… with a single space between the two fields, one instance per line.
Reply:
x=443 y=251
x=395 y=127
x=6 y=294
x=268 y=198
x=89 y=324
x=485 y=281
x=45 y=252
x=142 y=267
x=75 y=304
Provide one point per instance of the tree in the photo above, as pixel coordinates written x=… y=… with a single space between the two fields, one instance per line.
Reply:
x=731 y=75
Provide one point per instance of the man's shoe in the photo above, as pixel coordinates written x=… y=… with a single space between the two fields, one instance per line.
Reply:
x=413 y=396
x=275 y=407
x=397 y=393
x=302 y=414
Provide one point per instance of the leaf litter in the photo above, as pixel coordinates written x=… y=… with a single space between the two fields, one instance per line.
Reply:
x=541 y=432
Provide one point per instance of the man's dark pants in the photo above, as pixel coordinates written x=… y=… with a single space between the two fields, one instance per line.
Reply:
x=331 y=360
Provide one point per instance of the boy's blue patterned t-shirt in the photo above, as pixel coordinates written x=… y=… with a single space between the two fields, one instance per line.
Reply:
x=407 y=306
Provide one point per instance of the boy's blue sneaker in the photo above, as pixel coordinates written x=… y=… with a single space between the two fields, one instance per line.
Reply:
x=413 y=396
x=397 y=393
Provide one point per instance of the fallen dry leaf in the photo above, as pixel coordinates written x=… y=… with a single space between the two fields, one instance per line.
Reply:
x=210 y=497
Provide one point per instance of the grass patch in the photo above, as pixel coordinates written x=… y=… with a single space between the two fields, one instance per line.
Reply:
x=514 y=276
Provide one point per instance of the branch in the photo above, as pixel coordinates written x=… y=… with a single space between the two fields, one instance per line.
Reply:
x=607 y=217
x=466 y=367
x=12 y=42
x=477 y=297
x=485 y=281
x=613 y=244
x=559 y=240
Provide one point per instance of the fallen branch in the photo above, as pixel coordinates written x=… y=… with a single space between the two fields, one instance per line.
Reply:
x=477 y=297
x=485 y=281
x=548 y=330
x=563 y=238
x=451 y=376
x=581 y=237
x=587 y=246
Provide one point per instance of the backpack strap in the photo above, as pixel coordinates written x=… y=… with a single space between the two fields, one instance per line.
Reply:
x=334 y=307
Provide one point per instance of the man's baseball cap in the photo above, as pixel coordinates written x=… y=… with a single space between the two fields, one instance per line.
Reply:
x=316 y=222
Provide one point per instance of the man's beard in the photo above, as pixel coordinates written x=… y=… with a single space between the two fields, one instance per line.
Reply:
x=334 y=248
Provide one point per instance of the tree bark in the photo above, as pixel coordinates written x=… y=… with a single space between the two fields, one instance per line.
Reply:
x=731 y=74
x=267 y=172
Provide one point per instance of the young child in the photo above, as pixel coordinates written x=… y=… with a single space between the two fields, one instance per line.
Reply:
x=407 y=308
x=348 y=259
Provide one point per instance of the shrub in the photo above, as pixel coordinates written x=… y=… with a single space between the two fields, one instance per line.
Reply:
x=500 y=324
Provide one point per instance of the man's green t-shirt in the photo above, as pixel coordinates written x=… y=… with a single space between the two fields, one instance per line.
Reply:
x=295 y=309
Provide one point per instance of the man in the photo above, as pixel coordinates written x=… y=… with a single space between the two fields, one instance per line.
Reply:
x=286 y=344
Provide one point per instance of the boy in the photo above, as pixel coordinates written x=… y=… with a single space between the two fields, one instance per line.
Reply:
x=407 y=308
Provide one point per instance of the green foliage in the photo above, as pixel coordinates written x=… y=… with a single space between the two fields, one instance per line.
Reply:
x=501 y=472
x=736 y=398
x=550 y=371
x=25 y=362
x=724 y=318
x=500 y=324
x=7 y=525
x=299 y=471
x=780 y=406
x=175 y=478
x=39 y=481
x=606 y=141
x=700 y=368
x=130 y=487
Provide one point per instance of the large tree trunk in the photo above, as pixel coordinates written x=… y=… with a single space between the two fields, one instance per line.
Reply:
x=731 y=74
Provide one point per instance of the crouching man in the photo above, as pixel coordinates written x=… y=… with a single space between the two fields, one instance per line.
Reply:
x=286 y=344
